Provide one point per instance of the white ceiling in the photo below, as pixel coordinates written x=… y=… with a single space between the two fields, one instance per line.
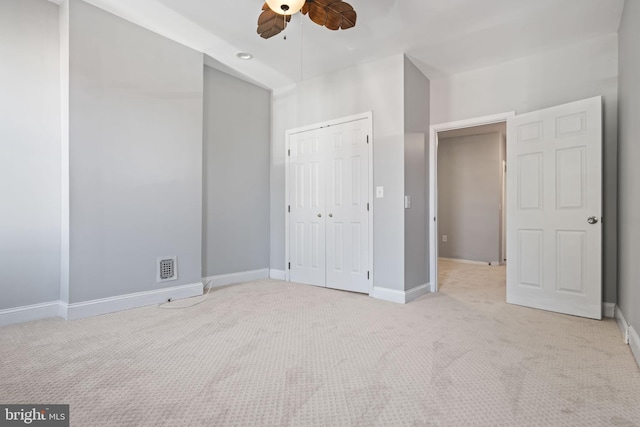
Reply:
x=442 y=37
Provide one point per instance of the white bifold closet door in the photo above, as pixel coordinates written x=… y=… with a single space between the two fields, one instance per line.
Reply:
x=307 y=183
x=328 y=203
x=554 y=209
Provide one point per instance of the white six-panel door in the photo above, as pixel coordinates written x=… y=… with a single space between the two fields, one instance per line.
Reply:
x=328 y=207
x=346 y=207
x=554 y=209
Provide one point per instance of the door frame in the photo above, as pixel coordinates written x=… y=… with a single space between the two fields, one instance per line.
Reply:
x=433 y=181
x=362 y=116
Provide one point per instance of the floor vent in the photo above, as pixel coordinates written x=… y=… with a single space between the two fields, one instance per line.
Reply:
x=167 y=268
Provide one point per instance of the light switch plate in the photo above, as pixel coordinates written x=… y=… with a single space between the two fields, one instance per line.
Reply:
x=407 y=202
x=379 y=192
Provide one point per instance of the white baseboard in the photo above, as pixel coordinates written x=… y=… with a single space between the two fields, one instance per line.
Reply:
x=96 y=307
x=623 y=325
x=27 y=313
x=634 y=343
x=417 y=292
x=629 y=334
x=466 y=261
x=401 y=297
x=386 y=294
x=278 y=274
x=233 y=278
x=609 y=309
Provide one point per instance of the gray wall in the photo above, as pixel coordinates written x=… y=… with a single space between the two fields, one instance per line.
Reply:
x=629 y=173
x=237 y=125
x=375 y=86
x=135 y=156
x=29 y=153
x=550 y=78
x=415 y=228
x=416 y=123
x=469 y=196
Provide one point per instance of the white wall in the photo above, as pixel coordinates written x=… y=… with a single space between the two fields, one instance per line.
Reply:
x=29 y=153
x=375 y=86
x=539 y=81
x=629 y=207
x=237 y=126
x=135 y=156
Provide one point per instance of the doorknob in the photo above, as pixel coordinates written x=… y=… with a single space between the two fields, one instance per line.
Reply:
x=330 y=215
x=319 y=215
x=592 y=220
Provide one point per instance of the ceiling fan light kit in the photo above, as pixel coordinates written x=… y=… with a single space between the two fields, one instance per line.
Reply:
x=285 y=7
x=332 y=14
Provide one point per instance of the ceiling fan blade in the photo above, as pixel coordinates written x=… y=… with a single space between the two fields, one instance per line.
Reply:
x=270 y=23
x=333 y=14
x=317 y=13
x=341 y=15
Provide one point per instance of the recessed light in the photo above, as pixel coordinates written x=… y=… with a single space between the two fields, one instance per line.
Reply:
x=244 y=55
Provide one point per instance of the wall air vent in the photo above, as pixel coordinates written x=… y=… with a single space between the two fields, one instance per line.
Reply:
x=167 y=268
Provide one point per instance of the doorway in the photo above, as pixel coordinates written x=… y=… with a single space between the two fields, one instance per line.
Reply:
x=462 y=128
x=554 y=204
x=470 y=193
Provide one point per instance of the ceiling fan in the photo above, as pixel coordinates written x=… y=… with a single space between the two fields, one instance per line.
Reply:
x=333 y=14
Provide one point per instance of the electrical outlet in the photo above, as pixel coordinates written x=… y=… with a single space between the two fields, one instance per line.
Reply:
x=444 y=238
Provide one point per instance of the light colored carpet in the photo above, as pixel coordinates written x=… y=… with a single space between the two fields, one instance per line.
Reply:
x=270 y=353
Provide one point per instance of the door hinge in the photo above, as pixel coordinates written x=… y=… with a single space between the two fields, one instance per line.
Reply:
x=367 y=139
x=289 y=208
x=368 y=275
x=434 y=219
x=367 y=207
x=289 y=153
x=289 y=266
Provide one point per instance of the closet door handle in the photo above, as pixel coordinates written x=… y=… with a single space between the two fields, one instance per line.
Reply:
x=330 y=215
x=319 y=215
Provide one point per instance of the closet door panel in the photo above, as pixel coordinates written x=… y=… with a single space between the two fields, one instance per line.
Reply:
x=307 y=198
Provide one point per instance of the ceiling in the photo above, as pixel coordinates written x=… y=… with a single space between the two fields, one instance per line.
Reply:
x=442 y=37
x=474 y=130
